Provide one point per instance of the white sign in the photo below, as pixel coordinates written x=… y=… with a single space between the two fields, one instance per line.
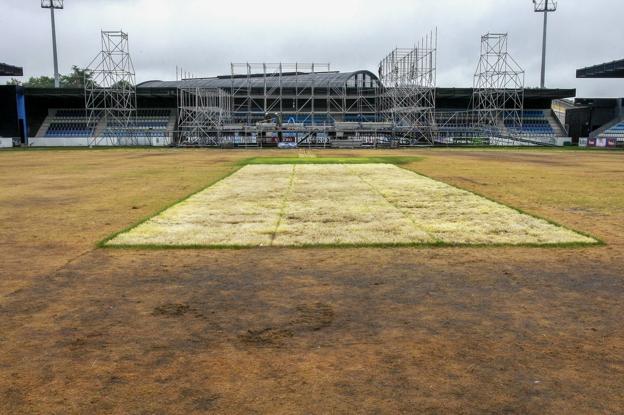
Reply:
x=6 y=142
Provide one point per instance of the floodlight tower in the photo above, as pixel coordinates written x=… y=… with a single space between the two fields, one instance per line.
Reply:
x=52 y=5
x=544 y=6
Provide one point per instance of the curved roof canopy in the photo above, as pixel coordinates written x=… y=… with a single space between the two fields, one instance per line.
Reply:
x=286 y=80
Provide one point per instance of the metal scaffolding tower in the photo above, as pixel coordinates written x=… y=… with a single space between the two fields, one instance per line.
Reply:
x=408 y=78
x=498 y=97
x=202 y=114
x=110 y=93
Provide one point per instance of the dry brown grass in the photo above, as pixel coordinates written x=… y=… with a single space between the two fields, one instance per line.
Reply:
x=511 y=330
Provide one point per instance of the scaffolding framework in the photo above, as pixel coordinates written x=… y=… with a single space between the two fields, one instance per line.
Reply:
x=202 y=115
x=296 y=92
x=498 y=91
x=407 y=99
x=272 y=103
x=110 y=93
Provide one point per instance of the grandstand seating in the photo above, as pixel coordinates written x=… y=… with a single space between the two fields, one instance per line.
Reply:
x=153 y=113
x=68 y=129
x=68 y=123
x=617 y=132
x=534 y=123
x=455 y=126
x=150 y=123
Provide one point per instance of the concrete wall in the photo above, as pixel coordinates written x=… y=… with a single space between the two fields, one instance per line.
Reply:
x=6 y=142
x=85 y=142
x=59 y=142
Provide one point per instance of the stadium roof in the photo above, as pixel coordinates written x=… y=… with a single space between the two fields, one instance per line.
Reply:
x=288 y=80
x=613 y=69
x=8 y=70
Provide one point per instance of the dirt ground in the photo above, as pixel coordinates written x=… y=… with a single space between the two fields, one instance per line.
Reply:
x=305 y=331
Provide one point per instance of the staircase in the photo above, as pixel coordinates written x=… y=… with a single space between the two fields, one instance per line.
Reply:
x=46 y=124
x=99 y=128
x=173 y=118
x=555 y=124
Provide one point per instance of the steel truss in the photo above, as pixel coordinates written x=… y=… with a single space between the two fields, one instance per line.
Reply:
x=202 y=115
x=498 y=97
x=407 y=99
x=306 y=96
x=110 y=93
x=307 y=101
x=285 y=102
x=270 y=91
x=263 y=95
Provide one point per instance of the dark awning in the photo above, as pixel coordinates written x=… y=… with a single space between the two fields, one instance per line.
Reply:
x=613 y=69
x=8 y=70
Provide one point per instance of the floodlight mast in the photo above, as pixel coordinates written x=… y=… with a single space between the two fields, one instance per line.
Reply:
x=52 y=5
x=544 y=6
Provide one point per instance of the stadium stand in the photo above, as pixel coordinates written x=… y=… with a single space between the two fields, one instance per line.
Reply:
x=72 y=129
x=604 y=117
x=58 y=117
x=538 y=123
x=617 y=132
x=68 y=123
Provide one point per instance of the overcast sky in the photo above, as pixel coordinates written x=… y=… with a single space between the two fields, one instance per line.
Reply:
x=204 y=36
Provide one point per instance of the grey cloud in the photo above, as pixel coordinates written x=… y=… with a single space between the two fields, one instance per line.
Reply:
x=205 y=36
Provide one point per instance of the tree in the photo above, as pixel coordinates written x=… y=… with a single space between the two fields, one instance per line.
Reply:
x=123 y=84
x=40 y=82
x=76 y=79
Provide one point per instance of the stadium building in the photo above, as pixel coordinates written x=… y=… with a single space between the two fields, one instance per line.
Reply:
x=321 y=109
x=292 y=105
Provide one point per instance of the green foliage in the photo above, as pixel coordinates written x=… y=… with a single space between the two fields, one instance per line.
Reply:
x=75 y=79
x=122 y=85
x=14 y=81
x=40 y=82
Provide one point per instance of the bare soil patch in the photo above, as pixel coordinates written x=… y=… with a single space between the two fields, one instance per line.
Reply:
x=171 y=310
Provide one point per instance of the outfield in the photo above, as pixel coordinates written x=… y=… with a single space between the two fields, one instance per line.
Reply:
x=429 y=328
